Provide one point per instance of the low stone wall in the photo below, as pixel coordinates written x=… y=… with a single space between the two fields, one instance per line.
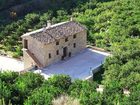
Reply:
x=98 y=49
x=93 y=71
x=96 y=69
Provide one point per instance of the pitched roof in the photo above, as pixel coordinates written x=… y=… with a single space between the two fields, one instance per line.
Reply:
x=56 y=31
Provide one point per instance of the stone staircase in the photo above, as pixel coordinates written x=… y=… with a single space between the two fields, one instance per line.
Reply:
x=34 y=59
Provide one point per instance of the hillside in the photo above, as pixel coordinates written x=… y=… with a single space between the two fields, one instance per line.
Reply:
x=108 y=22
x=112 y=24
x=14 y=9
x=17 y=22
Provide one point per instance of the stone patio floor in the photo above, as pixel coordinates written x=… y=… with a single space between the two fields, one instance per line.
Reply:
x=79 y=66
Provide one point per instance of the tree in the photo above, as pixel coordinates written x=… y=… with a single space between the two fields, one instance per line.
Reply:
x=8 y=77
x=62 y=82
x=24 y=85
x=45 y=98
x=5 y=92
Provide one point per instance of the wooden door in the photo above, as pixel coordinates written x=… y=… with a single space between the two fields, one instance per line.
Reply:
x=65 y=51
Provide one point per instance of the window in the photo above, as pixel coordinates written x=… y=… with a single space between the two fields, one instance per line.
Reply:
x=66 y=39
x=57 y=43
x=74 y=45
x=74 y=36
x=49 y=55
x=25 y=43
x=57 y=52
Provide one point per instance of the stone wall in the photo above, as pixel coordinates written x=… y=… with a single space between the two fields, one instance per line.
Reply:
x=51 y=48
x=36 y=48
x=28 y=61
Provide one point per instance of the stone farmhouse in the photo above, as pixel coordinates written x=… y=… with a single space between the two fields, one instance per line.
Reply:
x=53 y=43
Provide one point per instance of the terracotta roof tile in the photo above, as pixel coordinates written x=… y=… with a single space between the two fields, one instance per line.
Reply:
x=57 y=31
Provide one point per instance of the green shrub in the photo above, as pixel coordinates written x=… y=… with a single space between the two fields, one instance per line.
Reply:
x=24 y=85
x=8 y=77
x=60 y=81
x=43 y=96
x=5 y=92
x=15 y=55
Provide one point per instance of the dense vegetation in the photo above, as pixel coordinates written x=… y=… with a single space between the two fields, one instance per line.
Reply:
x=112 y=22
x=122 y=71
x=19 y=17
x=113 y=25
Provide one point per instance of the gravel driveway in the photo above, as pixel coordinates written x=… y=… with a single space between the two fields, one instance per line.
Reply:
x=10 y=64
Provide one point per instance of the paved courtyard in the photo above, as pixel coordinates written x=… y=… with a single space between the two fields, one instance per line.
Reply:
x=78 y=66
x=10 y=64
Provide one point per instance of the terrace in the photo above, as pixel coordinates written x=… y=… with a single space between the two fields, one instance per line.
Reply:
x=79 y=66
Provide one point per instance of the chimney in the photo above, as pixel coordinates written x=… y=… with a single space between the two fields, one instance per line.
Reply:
x=48 y=23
